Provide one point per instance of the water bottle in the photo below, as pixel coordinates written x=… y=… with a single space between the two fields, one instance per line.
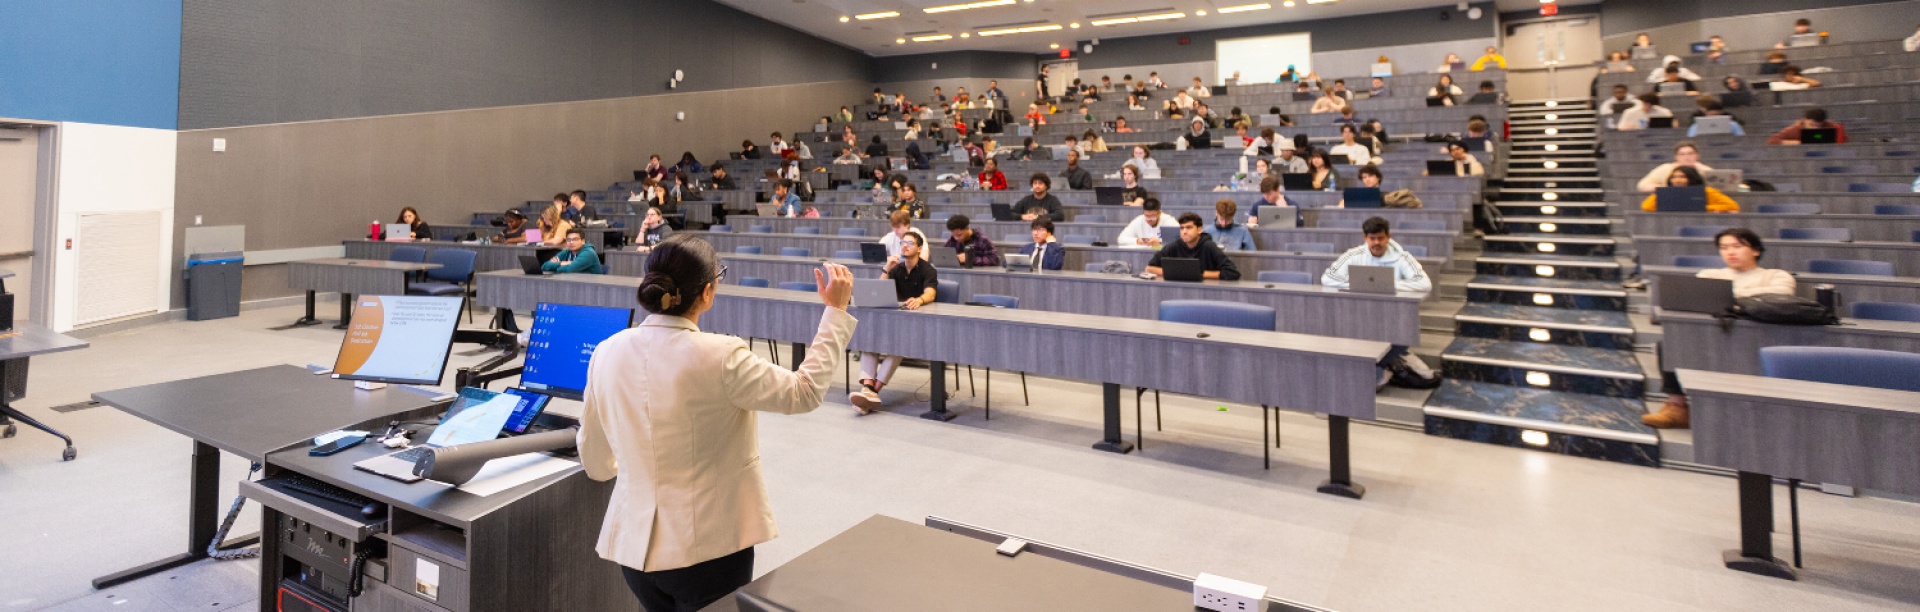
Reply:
x=1827 y=296
x=373 y=231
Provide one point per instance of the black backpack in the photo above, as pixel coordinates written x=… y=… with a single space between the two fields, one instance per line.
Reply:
x=1782 y=309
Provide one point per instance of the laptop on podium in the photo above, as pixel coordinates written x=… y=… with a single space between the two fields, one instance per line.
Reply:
x=477 y=416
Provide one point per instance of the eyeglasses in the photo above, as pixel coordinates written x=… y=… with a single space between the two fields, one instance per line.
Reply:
x=722 y=275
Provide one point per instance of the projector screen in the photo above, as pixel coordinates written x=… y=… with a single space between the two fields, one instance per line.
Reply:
x=1262 y=59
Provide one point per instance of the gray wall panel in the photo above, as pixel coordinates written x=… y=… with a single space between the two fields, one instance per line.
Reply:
x=247 y=62
x=1337 y=34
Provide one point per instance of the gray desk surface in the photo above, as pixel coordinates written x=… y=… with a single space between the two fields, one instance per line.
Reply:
x=253 y=412
x=379 y=264
x=1695 y=341
x=1326 y=375
x=1303 y=309
x=889 y=564
x=1853 y=287
x=29 y=340
x=1817 y=432
x=489 y=256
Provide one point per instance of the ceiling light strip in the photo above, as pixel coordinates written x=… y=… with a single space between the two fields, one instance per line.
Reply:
x=1245 y=7
x=933 y=38
x=1020 y=30
x=970 y=5
x=882 y=15
x=1111 y=21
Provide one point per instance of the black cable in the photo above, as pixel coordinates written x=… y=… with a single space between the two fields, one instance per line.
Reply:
x=233 y=512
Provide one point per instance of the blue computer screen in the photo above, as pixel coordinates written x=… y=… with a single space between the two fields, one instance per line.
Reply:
x=562 y=340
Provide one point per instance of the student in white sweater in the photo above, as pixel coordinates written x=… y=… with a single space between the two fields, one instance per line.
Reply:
x=1636 y=118
x=1741 y=249
x=1144 y=231
x=1684 y=154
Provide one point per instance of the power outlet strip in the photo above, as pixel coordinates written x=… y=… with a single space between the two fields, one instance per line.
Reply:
x=1222 y=594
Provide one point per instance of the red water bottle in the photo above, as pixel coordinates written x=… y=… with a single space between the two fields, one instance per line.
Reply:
x=373 y=231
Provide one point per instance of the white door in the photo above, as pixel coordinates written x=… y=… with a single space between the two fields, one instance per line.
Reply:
x=19 y=186
x=1553 y=59
x=1060 y=76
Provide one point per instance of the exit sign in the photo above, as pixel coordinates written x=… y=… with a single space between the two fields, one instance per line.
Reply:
x=1549 y=9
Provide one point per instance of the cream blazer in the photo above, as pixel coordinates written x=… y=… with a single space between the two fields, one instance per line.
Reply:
x=671 y=411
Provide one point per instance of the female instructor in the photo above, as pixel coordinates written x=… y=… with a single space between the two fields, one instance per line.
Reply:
x=671 y=411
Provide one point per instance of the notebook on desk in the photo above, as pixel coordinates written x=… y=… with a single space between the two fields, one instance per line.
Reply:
x=477 y=416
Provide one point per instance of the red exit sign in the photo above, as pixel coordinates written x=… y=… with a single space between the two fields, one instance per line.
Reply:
x=1184 y=40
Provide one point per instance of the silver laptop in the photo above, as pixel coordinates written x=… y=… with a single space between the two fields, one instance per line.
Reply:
x=1725 y=180
x=1644 y=53
x=1370 y=279
x=1713 y=124
x=943 y=258
x=1017 y=261
x=1277 y=217
x=767 y=209
x=399 y=233
x=1689 y=293
x=874 y=293
x=1673 y=88
x=1805 y=40
x=478 y=415
x=1150 y=173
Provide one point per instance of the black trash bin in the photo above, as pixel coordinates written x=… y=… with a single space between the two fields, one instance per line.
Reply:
x=213 y=285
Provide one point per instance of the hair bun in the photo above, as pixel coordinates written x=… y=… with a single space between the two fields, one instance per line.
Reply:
x=657 y=288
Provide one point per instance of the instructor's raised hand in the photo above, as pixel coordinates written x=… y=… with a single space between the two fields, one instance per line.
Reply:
x=836 y=284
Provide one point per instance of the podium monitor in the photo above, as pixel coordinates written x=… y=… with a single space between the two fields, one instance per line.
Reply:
x=402 y=339
x=562 y=341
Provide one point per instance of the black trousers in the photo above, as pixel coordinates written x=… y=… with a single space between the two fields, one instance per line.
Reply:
x=1669 y=383
x=691 y=588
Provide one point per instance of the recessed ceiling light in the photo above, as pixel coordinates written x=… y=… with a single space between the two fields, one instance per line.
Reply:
x=1322 y=1
x=1051 y=45
x=970 y=5
x=1200 y=13
x=933 y=37
x=899 y=41
x=1020 y=29
x=879 y=15
x=965 y=35
x=844 y=19
x=1288 y=4
x=1075 y=25
x=1246 y=7
x=1110 y=21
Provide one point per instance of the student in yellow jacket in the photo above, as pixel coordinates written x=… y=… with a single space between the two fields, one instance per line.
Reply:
x=1684 y=176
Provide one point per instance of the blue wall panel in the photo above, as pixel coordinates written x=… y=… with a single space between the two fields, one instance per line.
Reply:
x=113 y=62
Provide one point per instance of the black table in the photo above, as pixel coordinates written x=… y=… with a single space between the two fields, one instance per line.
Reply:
x=16 y=345
x=882 y=564
x=248 y=413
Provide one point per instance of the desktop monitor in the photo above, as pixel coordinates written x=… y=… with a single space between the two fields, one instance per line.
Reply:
x=402 y=339
x=562 y=341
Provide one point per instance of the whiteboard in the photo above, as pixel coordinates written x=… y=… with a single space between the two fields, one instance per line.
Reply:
x=1262 y=59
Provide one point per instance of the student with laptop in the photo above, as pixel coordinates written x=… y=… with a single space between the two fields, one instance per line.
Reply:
x=1688 y=176
x=1143 y=161
x=900 y=224
x=1270 y=195
x=553 y=223
x=1619 y=103
x=914 y=283
x=1350 y=148
x=1464 y=163
x=720 y=178
x=579 y=212
x=1741 y=249
x=1077 y=178
x=1144 y=230
x=1713 y=119
x=1801 y=27
x=788 y=204
x=1039 y=202
x=1370 y=178
x=972 y=248
x=417 y=228
x=1444 y=91
x=670 y=416
x=1044 y=252
x=1813 y=128
x=1131 y=193
x=1224 y=232
x=1380 y=250
x=515 y=231
x=1685 y=154
x=1194 y=244
x=1672 y=83
x=575 y=256
x=1489 y=60
x=1645 y=108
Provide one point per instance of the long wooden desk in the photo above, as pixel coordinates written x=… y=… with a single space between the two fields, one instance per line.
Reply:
x=488 y=257
x=348 y=277
x=1303 y=309
x=1770 y=427
x=1317 y=374
x=1869 y=228
x=1695 y=341
x=1250 y=263
x=1788 y=254
x=1852 y=287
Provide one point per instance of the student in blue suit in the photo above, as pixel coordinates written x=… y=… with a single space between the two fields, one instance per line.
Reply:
x=1052 y=256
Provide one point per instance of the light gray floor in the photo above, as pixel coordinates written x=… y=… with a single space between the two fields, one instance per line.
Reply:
x=1446 y=525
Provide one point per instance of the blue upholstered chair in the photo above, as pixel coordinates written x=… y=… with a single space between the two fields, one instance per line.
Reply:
x=1308 y=247
x=1787 y=209
x=1855 y=169
x=409 y=254
x=746 y=249
x=1698 y=261
x=1700 y=231
x=1223 y=314
x=1886 y=311
x=1075 y=239
x=1850 y=266
x=1341 y=224
x=453 y=277
x=796 y=252
x=948 y=292
x=853 y=231
x=756 y=282
x=848 y=255
x=807 y=286
x=807 y=230
x=759 y=229
x=1829 y=234
x=1284 y=277
x=1016 y=239
x=720 y=229
x=1879 y=187
x=1423 y=225
x=1095 y=267
x=1416 y=250
x=1858 y=367
x=1897 y=209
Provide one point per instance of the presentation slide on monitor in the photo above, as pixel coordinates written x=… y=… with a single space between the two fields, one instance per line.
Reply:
x=398 y=338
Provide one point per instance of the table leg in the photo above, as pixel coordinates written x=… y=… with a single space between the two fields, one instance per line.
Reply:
x=1340 y=480
x=203 y=491
x=346 y=310
x=1755 y=554
x=1112 y=439
x=938 y=398
x=799 y=355
x=310 y=319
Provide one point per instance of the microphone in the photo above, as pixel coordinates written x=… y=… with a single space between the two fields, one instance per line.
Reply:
x=456 y=465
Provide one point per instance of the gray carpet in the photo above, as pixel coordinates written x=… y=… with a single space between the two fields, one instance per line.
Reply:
x=1446 y=525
